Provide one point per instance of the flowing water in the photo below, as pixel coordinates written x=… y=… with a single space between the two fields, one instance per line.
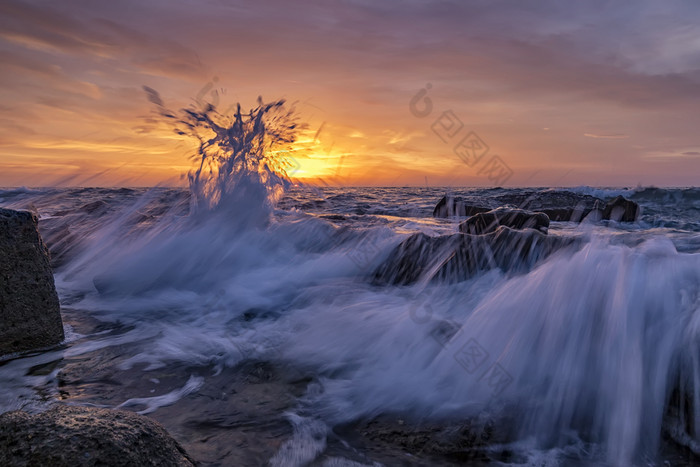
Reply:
x=240 y=308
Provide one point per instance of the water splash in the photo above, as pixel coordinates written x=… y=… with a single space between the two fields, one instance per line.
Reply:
x=239 y=173
x=240 y=157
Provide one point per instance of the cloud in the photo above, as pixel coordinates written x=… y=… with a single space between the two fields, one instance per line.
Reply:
x=508 y=68
x=674 y=154
x=90 y=34
x=606 y=136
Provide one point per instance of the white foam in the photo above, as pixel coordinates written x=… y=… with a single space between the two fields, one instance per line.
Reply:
x=154 y=403
x=307 y=442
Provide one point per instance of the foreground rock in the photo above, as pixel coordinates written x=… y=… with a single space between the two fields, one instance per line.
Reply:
x=29 y=311
x=487 y=222
x=458 y=257
x=69 y=436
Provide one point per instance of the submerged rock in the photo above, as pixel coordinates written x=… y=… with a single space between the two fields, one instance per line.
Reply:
x=30 y=317
x=95 y=207
x=487 y=222
x=450 y=206
x=69 y=436
x=458 y=257
x=98 y=206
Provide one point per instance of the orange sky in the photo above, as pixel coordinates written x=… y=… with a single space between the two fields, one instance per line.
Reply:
x=598 y=94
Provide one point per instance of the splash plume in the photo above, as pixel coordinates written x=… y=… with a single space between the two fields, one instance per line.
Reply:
x=238 y=152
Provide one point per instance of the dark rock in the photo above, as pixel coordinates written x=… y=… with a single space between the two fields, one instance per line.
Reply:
x=576 y=214
x=30 y=316
x=558 y=214
x=471 y=441
x=69 y=436
x=334 y=217
x=618 y=209
x=621 y=210
x=450 y=206
x=556 y=205
x=538 y=200
x=458 y=257
x=487 y=222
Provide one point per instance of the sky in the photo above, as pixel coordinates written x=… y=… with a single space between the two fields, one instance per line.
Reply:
x=395 y=93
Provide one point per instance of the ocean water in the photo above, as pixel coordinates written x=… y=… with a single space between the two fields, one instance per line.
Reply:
x=588 y=356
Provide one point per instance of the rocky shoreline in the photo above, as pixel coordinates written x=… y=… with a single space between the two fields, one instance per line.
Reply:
x=30 y=320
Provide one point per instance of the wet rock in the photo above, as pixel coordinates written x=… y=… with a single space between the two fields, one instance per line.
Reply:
x=576 y=214
x=334 y=217
x=538 y=200
x=558 y=206
x=558 y=214
x=621 y=210
x=450 y=206
x=458 y=257
x=30 y=317
x=237 y=417
x=594 y=215
x=393 y=441
x=487 y=222
x=618 y=209
x=70 y=435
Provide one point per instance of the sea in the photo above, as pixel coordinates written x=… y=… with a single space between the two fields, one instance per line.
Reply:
x=256 y=329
